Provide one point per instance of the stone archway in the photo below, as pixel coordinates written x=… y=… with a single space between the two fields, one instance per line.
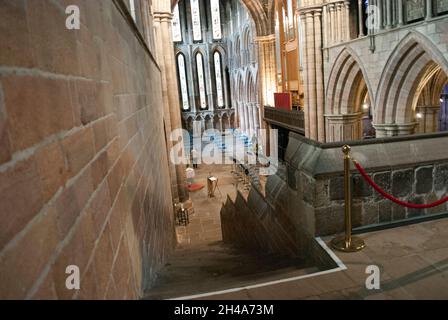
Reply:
x=347 y=96
x=411 y=66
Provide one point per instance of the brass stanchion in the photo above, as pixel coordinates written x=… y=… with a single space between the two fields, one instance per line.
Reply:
x=347 y=243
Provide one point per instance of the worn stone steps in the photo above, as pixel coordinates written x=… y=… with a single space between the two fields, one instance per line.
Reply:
x=215 y=267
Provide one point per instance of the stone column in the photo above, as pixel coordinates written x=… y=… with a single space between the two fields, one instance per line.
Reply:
x=246 y=111
x=303 y=18
x=326 y=26
x=400 y=12
x=332 y=24
x=360 y=19
x=344 y=127
x=267 y=73
x=389 y=14
x=310 y=70
x=429 y=122
x=313 y=75
x=319 y=74
x=347 y=20
x=428 y=9
x=166 y=61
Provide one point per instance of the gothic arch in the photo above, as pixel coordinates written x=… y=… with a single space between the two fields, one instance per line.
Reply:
x=406 y=73
x=347 y=84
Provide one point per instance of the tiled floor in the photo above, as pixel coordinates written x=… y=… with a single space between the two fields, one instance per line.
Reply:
x=413 y=263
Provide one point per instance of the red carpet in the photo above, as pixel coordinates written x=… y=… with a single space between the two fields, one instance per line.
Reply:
x=195 y=187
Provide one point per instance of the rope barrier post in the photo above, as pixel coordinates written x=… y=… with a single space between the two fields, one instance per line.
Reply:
x=347 y=243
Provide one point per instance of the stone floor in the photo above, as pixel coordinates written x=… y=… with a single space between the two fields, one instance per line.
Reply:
x=413 y=263
x=205 y=223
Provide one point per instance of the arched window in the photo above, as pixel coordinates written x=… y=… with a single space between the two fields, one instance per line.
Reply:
x=196 y=20
x=216 y=19
x=176 y=28
x=132 y=9
x=201 y=80
x=183 y=81
x=218 y=78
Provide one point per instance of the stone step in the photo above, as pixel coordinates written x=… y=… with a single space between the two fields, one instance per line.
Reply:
x=208 y=268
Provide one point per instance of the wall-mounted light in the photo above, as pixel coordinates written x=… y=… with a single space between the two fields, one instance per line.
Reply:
x=441 y=100
x=365 y=107
x=419 y=115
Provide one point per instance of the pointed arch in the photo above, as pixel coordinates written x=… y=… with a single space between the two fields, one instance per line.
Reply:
x=347 y=84
x=405 y=74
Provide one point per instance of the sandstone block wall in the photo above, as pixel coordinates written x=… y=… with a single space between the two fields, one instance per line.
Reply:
x=83 y=164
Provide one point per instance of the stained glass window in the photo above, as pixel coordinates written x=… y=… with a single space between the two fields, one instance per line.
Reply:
x=218 y=77
x=176 y=29
x=216 y=19
x=183 y=81
x=196 y=20
x=201 y=80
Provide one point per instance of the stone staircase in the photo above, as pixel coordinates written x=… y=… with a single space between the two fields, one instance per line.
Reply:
x=216 y=266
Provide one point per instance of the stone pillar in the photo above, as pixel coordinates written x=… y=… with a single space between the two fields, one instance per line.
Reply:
x=400 y=12
x=246 y=111
x=313 y=75
x=344 y=127
x=389 y=14
x=319 y=74
x=429 y=122
x=326 y=26
x=428 y=9
x=360 y=19
x=267 y=73
x=166 y=61
x=347 y=20
x=338 y=22
x=332 y=24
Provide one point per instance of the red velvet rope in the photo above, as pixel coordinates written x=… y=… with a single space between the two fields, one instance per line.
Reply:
x=392 y=198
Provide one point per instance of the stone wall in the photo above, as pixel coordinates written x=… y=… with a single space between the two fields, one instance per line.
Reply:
x=81 y=144
x=310 y=200
x=414 y=169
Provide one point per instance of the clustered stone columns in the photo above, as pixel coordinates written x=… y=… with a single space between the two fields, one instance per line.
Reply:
x=335 y=20
x=268 y=82
x=166 y=61
x=249 y=118
x=313 y=73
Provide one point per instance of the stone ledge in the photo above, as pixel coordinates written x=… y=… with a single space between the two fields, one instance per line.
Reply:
x=325 y=159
